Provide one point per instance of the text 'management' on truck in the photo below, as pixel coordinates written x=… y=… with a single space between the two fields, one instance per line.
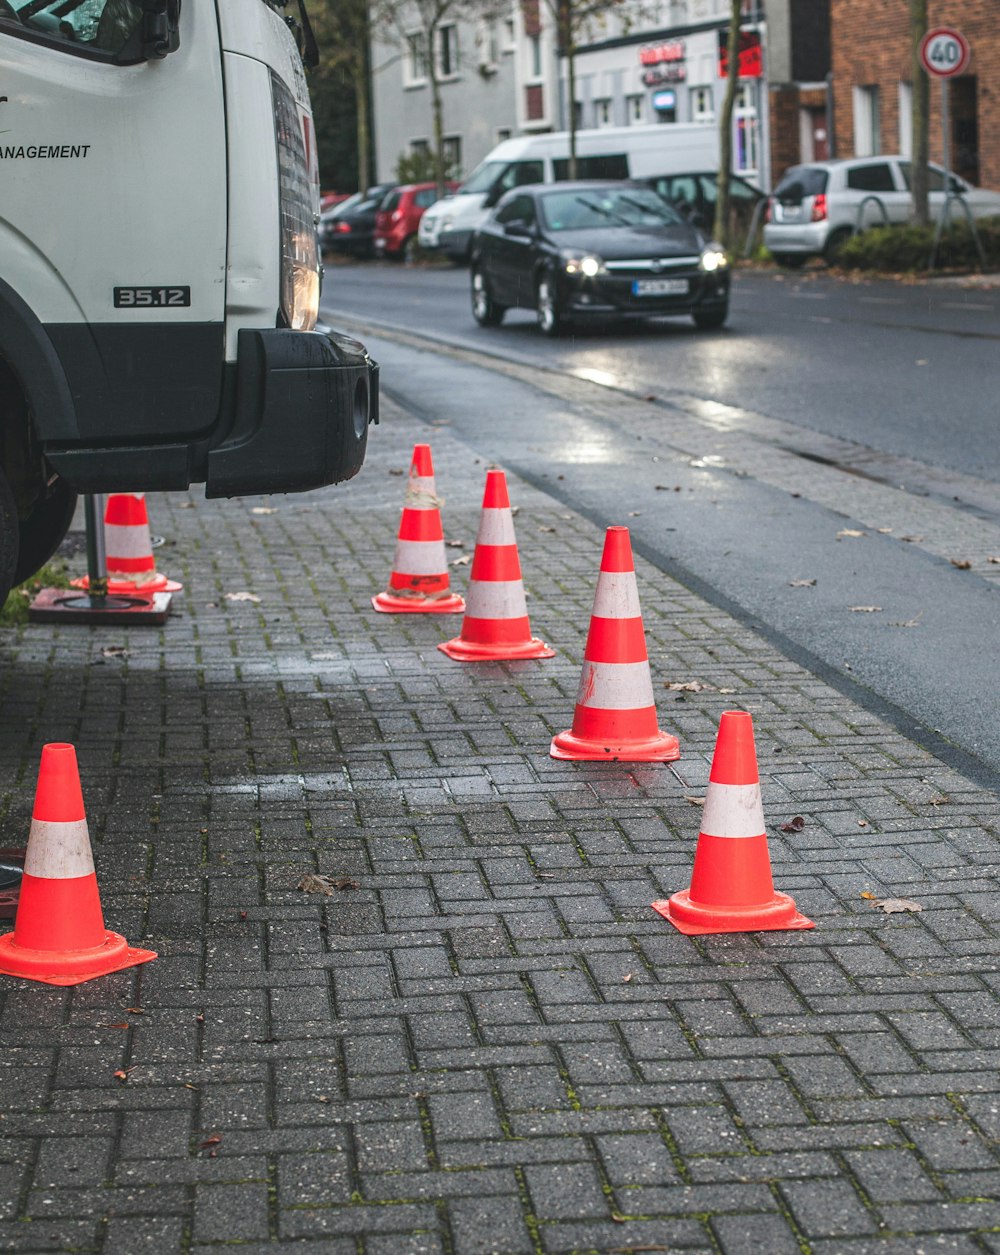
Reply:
x=159 y=289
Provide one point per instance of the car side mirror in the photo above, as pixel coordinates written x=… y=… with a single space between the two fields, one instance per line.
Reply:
x=518 y=228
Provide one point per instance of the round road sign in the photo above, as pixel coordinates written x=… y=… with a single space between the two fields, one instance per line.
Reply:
x=944 y=52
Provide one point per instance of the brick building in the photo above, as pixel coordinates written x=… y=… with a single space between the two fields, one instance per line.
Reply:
x=872 y=75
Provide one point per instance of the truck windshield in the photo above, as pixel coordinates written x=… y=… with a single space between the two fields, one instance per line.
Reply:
x=484 y=176
x=100 y=24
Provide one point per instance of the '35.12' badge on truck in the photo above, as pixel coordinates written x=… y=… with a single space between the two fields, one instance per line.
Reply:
x=151 y=297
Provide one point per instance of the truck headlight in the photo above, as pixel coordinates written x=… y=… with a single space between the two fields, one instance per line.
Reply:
x=299 y=255
x=713 y=257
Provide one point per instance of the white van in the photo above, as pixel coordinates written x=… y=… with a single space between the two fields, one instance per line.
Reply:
x=626 y=152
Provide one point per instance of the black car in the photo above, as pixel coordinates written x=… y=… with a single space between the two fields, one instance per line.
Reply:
x=585 y=249
x=350 y=226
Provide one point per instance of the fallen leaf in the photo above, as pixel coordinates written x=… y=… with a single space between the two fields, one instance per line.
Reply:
x=115 y=651
x=849 y=531
x=326 y=884
x=455 y=544
x=634 y=514
x=684 y=686
x=795 y=824
x=892 y=906
x=963 y=564
x=872 y=897
x=661 y=487
x=135 y=1011
x=123 y=1024
x=727 y=690
x=940 y=800
x=801 y=583
x=543 y=528
x=627 y=977
x=994 y=559
x=243 y=914
x=862 y=823
x=885 y=531
x=914 y=622
x=464 y=560
x=242 y=597
x=912 y=540
x=264 y=509
x=187 y=505
x=396 y=470
x=122 y=1075
x=865 y=609
x=694 y=801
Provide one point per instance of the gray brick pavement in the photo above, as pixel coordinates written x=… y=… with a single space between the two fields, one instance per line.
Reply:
x=492 y=1044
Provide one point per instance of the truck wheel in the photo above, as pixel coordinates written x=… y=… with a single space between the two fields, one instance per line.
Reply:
x=42 y=532
x=8 y=539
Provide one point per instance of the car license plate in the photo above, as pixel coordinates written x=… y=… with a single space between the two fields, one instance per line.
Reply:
x=791 y=213
x=660 y=287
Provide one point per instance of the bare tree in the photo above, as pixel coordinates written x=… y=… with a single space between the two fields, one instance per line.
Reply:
x=721 y=227
x=573 y=19
x=919 y=100
x=421 y=29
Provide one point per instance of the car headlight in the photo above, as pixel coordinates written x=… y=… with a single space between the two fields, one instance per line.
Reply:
x=445 y=224
x=713 y=257
x=586 y=264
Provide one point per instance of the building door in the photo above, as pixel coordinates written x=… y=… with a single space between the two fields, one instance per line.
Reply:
x=964 y=128
x=820 y=135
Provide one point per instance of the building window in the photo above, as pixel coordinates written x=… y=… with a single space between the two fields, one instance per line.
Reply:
x=602 y=113
x=866 y=122
x=446 y=59
x=635 y=110
x=415 y=60
x=535 y=55
x=578 y=114
x=747 y=131
x=509 y=35
x=701 y=105
x=503 y=132
x=451 y=147
x=906 y=119
x=487 y=46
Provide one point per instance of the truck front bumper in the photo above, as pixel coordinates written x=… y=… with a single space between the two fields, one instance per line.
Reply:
x=304 y=400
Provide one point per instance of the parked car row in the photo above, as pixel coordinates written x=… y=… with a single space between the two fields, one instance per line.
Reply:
x=380 y=222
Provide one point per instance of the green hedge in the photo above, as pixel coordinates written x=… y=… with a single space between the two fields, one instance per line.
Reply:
x=907 y=248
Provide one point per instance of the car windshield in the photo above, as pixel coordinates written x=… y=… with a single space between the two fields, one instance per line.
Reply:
x=484 y=176
x=584 y=208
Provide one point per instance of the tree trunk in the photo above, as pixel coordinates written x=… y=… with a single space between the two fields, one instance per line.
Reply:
x=362 y=85
x=569 y=51
x=721 y=227
x=437 y=123
x=920 y=104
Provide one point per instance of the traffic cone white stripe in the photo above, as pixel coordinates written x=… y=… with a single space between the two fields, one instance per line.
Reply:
x=127 y=541
x=617 y=596
x=419 y=557
x=615 y=686
x=495 y=599
x=732 y=810
x=59 y=850
x=496 y=527
x=420 y=494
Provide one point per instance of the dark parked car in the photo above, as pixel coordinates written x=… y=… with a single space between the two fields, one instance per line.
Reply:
x=575 y=250
x=695 y=196
x=350 y=226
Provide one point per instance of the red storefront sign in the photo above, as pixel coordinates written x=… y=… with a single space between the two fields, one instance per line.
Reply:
x=750 y=60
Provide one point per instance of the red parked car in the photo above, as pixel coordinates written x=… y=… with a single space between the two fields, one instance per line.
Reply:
x=399 y=215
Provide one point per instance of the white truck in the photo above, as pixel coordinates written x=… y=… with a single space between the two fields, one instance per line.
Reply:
x=159 y=275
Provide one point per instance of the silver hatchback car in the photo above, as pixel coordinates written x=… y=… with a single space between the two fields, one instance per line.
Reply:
x=815 y=208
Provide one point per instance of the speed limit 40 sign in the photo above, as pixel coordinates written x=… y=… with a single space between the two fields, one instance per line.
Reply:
x=944 y=52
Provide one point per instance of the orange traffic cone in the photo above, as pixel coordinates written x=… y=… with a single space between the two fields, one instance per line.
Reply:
x=419 y=581
x=496 y=616
x=615 y=716
x=731 y=889
x=130 y=564
x=59 y=935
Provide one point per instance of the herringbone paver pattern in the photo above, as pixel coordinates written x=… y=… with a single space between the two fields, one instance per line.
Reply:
x=491 y=1044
